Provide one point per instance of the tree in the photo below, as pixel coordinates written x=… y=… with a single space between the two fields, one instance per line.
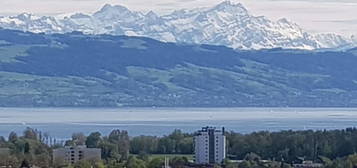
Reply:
x=166 y=146
x=25 y=164
x=252 y=157
x=27 y=148
x=245 y=164
x=78 y=139
x=145 y=144
x=143 y=156
x=9 y=161
x=121 y=139
x=93 y=140
x=134 y=162
x=109 y=150
x=83 y=164
x=2 y=141
x=352 y=161
x=99 y=164
x=179 y=162
x=156 y=163
x=42 y=160
x=30 y=133
x=186 y=145
x=12 y=137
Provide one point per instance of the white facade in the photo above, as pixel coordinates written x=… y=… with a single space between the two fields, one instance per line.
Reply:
x=210 y=146
x=71 y=155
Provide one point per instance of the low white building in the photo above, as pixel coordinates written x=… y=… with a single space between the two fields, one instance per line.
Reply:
x=72 y=154
x=210 y=146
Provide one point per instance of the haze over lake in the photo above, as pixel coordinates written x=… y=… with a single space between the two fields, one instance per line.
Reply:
x=62 y=122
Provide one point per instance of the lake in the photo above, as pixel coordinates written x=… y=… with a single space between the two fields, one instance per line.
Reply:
x=62 y=122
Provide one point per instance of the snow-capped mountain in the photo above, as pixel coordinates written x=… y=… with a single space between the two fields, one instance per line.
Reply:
x=227 y=23
x=354 y=39
x=29 y=22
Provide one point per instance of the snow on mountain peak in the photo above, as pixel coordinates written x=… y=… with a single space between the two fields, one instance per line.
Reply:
x=152 y=15
x=113 y=12
x=229 y=6
x=112 y=8
x=354 y=39
x=25 y=16
x=284 y=21
x=79 y=16
x=227 y=23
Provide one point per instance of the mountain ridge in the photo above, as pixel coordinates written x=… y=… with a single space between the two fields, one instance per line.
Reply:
x=227 y=23
x=78 y=70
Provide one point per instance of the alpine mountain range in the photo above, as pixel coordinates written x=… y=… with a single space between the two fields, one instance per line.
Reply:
x=213 y=57
x=229 y=24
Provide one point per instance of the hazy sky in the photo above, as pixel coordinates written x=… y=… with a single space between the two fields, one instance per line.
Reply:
x=339 y=16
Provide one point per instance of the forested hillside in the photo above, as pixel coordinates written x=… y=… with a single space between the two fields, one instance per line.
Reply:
x=76 y=70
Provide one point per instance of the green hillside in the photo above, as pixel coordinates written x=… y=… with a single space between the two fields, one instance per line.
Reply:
x=76 y=70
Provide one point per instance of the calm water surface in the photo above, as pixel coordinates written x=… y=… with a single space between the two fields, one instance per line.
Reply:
x=62 y=122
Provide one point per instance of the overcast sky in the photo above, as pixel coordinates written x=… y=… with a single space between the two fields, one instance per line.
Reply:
x=338 y=16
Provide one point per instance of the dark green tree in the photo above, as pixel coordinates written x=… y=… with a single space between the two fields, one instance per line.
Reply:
x=93 y=140
x=12 y=137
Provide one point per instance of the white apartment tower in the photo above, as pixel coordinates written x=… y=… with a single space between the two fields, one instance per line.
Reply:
x=210 y=146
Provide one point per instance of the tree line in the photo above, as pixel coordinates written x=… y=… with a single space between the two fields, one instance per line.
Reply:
x=333 y=148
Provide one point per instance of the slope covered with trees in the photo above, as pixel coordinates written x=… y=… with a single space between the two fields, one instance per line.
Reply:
x=111 y=71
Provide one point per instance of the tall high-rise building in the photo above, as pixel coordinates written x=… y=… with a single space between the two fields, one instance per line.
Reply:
x=210 y=146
